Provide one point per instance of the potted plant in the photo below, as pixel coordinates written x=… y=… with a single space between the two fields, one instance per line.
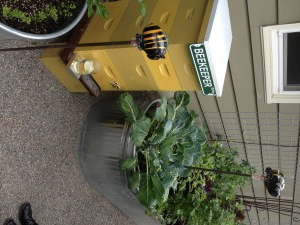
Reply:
x=39 y=19
x=105 y=141
x=159 y=145
x=168 y=146
x=47 y=19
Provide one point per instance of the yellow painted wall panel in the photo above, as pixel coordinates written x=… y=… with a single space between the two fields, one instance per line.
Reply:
x=164 y=73
x=164 y=14
x=101 y=30
x=132 y=21
x=133 y=67
x=187 y=22
x=182 y=62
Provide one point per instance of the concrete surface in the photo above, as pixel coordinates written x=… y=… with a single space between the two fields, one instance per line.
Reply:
x=40 y=122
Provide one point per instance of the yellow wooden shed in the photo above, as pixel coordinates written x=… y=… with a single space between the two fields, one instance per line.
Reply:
x=124 y=67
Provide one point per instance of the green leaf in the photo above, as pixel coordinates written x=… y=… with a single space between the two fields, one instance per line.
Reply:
x=128 y=164
x=160 y=112
x=178 y=156
x=100 y=8
x=159 y=189
x=167 y=153
x=162 y=132
x=188 y=118
x=188 y=159
x=177 y=126
x=90 y=9
x=104 y=12
x=201 y=137
x=171 y=110
x=182 y=99
x=170 y=141
x=140 y=130
x=183 y=172
x=166 y=148
x=184 y=116
x=128 y=107
x=193 y=114
x=187 y=142
x=177 y=110
x=143 y=8
x=160 y=136
x=190 y=132
x=184 y=155
x=190 y=146
x=134 y=181
x=146 y=193
x=168 y=176
x=155 y=166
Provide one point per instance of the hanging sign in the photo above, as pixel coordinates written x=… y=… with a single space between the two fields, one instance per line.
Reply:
x=203 y=70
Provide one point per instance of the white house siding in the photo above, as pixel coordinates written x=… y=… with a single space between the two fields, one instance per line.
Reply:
x=267 y=134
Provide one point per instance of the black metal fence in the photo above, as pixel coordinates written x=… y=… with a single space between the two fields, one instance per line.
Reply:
x=265 y=140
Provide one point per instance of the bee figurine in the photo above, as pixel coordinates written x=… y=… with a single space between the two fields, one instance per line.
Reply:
x=274 y=181
x=153 y=41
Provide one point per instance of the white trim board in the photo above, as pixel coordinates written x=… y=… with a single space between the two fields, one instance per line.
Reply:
x=272 y=39
x=217 y=41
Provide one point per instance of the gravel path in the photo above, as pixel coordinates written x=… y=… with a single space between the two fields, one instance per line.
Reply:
x=39 y=129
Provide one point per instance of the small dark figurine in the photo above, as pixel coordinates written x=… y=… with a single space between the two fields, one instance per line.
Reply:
x=274 y=181
x=153 y=41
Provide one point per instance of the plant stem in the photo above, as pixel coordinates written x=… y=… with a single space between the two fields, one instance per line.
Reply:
x=147 y=170
x=218 y=171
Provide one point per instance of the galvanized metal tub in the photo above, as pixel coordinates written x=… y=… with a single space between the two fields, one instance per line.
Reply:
x=104 y=142
x=7 y=32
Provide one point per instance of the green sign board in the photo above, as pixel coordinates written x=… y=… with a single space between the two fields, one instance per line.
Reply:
x=202 y=67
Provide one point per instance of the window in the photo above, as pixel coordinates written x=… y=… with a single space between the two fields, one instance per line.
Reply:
x=282 y=63
x=291 y=61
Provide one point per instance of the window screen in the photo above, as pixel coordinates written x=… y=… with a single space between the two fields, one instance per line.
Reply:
x=291 y=77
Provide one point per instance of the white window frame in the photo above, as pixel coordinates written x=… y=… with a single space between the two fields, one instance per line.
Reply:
x=274 y=64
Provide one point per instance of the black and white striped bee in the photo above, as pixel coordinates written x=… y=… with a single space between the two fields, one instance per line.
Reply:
x=153 y=41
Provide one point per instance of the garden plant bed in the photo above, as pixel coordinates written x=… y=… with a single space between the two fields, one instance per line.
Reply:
x=175 y=169
x=39 y=16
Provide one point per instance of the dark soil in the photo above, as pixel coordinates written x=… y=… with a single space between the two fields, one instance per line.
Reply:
x=65 y=11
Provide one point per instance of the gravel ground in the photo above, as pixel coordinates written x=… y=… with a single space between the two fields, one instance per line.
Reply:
x=39 y=129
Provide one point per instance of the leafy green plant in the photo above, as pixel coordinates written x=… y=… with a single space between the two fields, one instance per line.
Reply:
x=192 y=212
x=65 y=9
x=201 y=196
x=48 y=12
x=100 y=9
x=97 y=7
x=170 y=145
x=9 y=13
x=167 y=139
